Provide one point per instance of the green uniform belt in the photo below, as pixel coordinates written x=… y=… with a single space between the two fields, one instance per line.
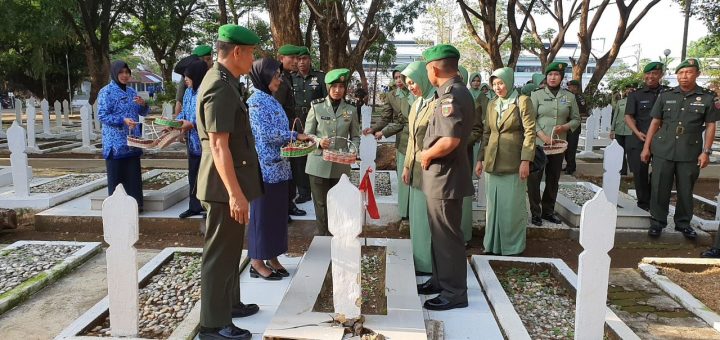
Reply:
x=681 y=130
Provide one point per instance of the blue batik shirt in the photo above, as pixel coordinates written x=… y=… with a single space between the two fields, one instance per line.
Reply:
x=114 y=105
x=270 y=127
x=188 y=113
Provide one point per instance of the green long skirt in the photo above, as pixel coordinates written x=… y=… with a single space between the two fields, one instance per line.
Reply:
x=507 y=216
x=420 y=231
x=403 y=189
x=467 y=220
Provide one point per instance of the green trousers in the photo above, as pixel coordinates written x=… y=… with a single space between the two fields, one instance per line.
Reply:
x=319 y=187
x=403 y=189
x=220 y=271
x=665 y=173
x=420 y=231
x=467 y=218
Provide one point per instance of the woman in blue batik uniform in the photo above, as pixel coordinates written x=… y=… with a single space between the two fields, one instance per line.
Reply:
x=194 y=75
x=119 y=108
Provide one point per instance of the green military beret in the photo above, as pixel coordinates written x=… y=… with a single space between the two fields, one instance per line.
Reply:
x=303 y=50
x=655 y=65
x=288 y=50
x=556 y=66
x=528 y=88
x=441 y=51
x=573 y=82
x=202 y=50
x=238 y=35
x=338 y=75
x=690 y=62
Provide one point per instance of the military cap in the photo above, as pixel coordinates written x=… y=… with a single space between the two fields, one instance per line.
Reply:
x=288 y=50
x=556 y=66
x=690 y=62
x=238 y=35
x=338 y=75
x=441 y=51
x=202 y=50
x=655 y=65
x=573 y=82
x=303 y=50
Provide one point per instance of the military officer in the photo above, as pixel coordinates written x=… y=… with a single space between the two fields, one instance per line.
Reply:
x=394 y=121
x=446 y=178
x=285 y=95
x=328 y=118
x=308 y=85
x=619 y=129
x=679 y=151
x=557 y=114
x=573 y=137
x=228 y=178
x=637 y=117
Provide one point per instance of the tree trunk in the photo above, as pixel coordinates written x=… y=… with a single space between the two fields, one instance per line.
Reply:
x=223 y=12
x=285 y=22
x=685 y=31
x=98 y=61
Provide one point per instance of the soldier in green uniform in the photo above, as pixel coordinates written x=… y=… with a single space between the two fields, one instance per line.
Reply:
x=394 y=122
x=675 y=140
x=308 y=85
x=328 y=118
x=619 y=130
x=637 y=117
x=557 y=114
x=228 y=178
x=446 y=178
x=574 y=137
x=285 y=95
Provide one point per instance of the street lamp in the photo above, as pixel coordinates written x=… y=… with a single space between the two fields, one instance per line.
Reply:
x=163 y=62
x=666 y=52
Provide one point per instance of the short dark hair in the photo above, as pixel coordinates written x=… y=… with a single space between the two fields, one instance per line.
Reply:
x=224 y=48
x=448 y=65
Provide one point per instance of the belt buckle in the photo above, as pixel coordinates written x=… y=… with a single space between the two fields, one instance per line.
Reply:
x=679 y=130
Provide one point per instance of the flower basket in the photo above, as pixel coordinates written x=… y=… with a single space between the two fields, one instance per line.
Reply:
x=297 y=148
x=169 y=123
x=141 y=143
x=557 y=146
x=341 y=156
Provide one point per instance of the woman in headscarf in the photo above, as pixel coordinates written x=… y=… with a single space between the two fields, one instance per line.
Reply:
x=489 y=93
x=328 y=118
x=420 y=112
x=507 y=149
x=119 y=108
x=475 y=82
x=193 y=76
x=267 y=230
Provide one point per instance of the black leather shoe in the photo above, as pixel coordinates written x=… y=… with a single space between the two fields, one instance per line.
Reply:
x=188 y=213
x=427 y=288
x=552 y=219
x=282 y=271
x=688 y=232
x=655 y=231
x=441 y=303
x=536 y=221
x=294 y=211
x=242 y=310
x=272 y=277
x=302 y=199
x=227 y=332
x=569 y=172
x=711 y=253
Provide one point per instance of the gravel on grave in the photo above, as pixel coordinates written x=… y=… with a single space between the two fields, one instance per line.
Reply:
x=703 y=285
x=546 y=308
x=165 y=300
x=163 y=179
x=64 y=183
x=382 y=182
x=579 y=194
x=20 y=264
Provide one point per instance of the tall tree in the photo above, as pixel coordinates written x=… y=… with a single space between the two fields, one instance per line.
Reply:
x=238 y=8
x=285 y=22
x=546 y=44
x=93 y=21
x=587 y=29
x=494 y=35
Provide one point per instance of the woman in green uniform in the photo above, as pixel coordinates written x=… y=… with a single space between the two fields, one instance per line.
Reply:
x=619 y=129
x=327 y=118
x=420 y=112
x=507 y=149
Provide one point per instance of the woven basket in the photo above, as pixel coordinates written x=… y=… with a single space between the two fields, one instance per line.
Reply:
x=141 y=143
x=341 y=156
x=170 y=123
x=296 y=148
x=168 y=137
x=557 y=146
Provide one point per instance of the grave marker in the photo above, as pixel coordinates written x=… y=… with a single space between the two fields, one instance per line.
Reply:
x=365 y=117
x=31 y=145
x=96 y=118
x=86 y=124
x=605 y=118
x=612 y=163
x=345 y=216
x=120 y=230
x=58 y=114
x=18 y=110
x=368 y=153
x=167 y=111
x=18 y=160
x=45 y=107
x=66 y=111
x=591 y=132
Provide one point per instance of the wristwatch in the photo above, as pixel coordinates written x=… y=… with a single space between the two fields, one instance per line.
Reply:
x=707 y=151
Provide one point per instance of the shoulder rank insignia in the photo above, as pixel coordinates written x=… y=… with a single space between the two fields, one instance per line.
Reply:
x=351 y=102
x=224 y=76
x=448 y=89
x=318 y=101
x=446 y=109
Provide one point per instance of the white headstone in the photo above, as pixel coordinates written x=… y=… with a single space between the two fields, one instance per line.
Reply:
x=612 y=163
x=58 y=113
x=120 y=230
x=365 y=116
x=481 y=199
x=141 y=120
x=591 y=129
x=18 y=110
x=86 y=123
x=345 y=216
x=45 y=107
x=96 y=118
x=605 y=118
x=18 y=160
x=368 y=153
x=167 y=111
x=31 y=114
x=66 y=111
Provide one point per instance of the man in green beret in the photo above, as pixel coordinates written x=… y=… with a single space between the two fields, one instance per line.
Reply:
x=675 y=141
x=285 y=95
x=203 y=52
x=637 y=117
x=446 y=178
x=308 y=85
x=574 y=136
x=228 y=178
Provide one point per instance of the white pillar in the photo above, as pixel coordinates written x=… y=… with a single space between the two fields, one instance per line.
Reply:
x=45 y=107
x=31 y=145
x=18 y=160
x=58 y=114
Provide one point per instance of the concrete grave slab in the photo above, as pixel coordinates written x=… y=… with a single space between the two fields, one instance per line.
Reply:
x=6 y=175
x=154 y=200
x=42 y=200
x=629 y=216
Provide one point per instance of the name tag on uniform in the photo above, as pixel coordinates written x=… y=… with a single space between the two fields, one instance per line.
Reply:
x=697 y=104
x=548 y=99
x=644 y=102
x=325 y=118
x=671 y=101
